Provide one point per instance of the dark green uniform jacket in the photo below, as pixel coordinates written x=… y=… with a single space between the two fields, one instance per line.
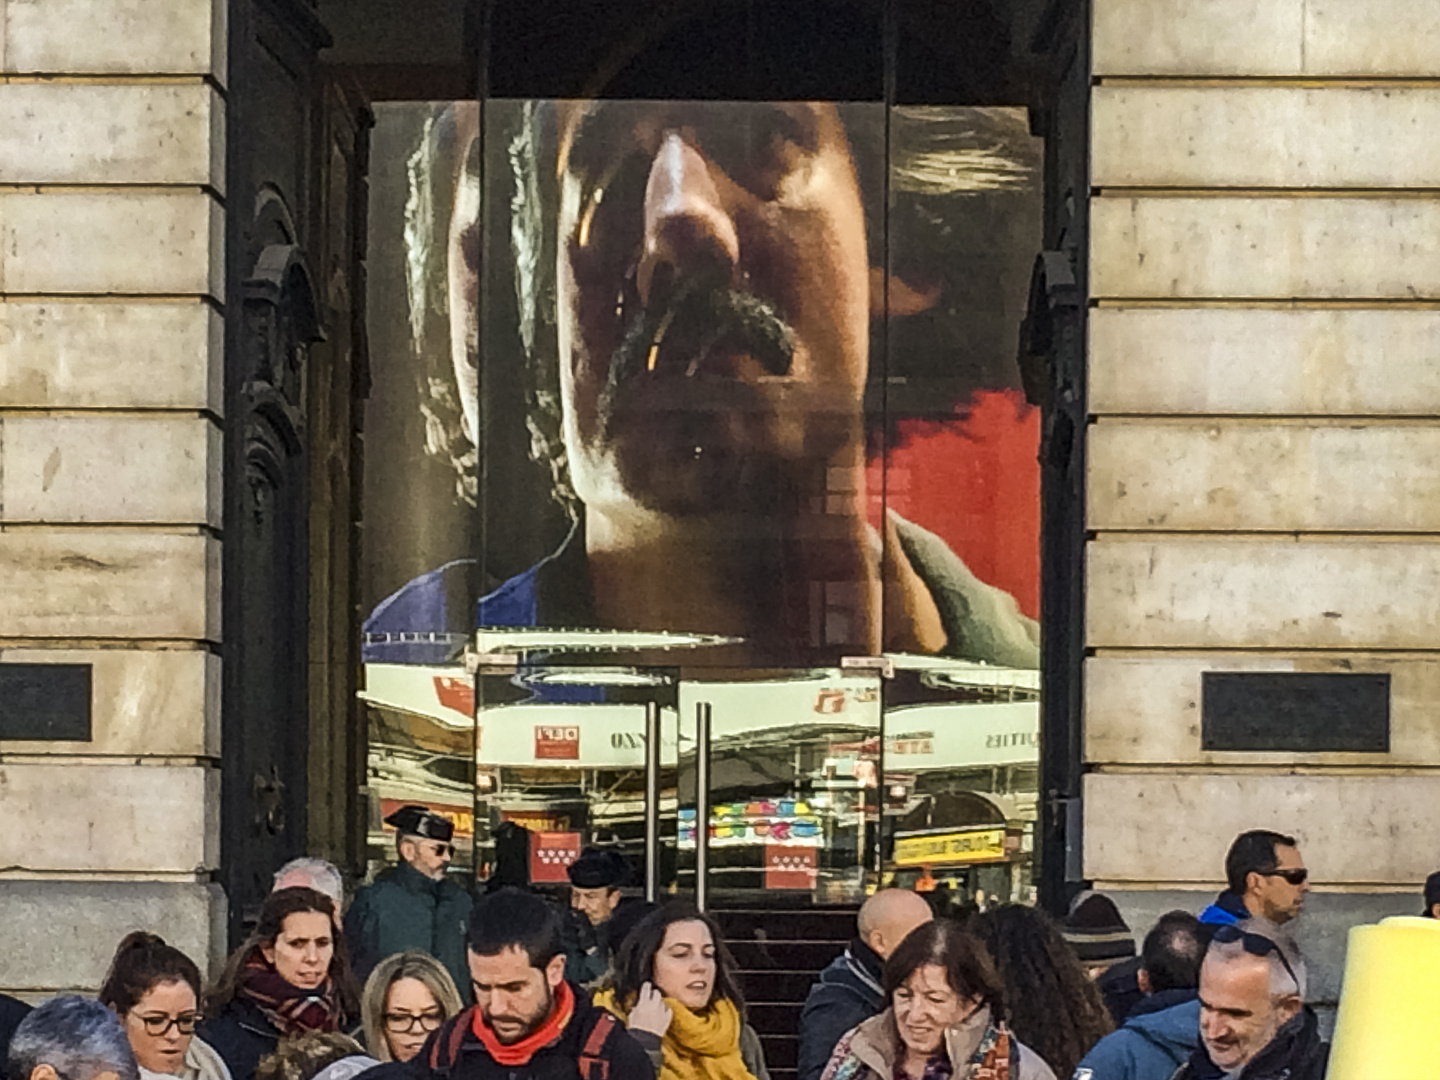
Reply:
x=403 y=910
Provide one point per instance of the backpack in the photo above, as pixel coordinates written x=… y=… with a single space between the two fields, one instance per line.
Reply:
x=593 y=1062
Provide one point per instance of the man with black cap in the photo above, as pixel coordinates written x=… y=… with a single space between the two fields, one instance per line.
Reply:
x=413 y=905
x=596 y=879
x=1105 y=945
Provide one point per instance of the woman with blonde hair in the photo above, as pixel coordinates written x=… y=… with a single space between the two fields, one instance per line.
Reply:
x=407 y=996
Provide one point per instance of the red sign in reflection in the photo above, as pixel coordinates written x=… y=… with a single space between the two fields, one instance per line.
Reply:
x=456 y=694
x=557 y=742
x=789 y=867
x=551 y=854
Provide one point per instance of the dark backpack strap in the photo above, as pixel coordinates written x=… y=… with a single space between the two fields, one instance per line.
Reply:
x=446 y=1047
x=594 y=1064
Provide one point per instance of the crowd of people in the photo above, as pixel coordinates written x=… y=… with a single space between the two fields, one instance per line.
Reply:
x=508 y=985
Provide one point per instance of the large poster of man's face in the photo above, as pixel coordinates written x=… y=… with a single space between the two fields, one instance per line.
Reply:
x=735 y=369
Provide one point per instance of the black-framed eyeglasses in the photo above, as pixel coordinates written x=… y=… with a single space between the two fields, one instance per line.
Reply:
x=156 y=1026
x=1256 y=945
x=405 y=1023
x=1294 y=877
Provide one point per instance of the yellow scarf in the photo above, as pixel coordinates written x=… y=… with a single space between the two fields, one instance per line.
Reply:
x=696 y=1046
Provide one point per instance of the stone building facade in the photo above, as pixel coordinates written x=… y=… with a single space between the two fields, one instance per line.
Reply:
x=1248 y=459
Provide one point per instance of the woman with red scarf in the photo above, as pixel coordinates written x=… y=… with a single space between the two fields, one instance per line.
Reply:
x=291 y=976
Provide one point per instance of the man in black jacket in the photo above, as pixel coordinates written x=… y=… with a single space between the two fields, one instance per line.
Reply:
x=848 y=991
x=527 y=1022
x=1253 y=1023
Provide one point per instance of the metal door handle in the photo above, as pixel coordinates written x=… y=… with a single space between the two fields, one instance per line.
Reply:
x=702 y=801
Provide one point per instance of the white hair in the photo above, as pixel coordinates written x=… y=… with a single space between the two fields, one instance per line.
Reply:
x=1283 y=983
x=319 y=875
x=77 y=1037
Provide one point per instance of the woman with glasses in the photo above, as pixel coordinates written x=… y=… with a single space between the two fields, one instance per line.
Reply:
x=155 y=990
x=407 y=996
x=291 y=976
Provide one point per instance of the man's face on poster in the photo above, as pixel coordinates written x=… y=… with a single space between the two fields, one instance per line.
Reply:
x=713 y=301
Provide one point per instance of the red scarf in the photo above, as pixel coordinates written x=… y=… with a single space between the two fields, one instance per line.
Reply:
x=520 y=1053
x=292 y=1010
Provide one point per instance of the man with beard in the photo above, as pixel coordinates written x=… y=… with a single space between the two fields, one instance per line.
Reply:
x=713 y=298
x=527 y=1022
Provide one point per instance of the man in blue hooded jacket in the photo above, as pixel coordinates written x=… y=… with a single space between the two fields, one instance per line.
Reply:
x=1266 y=879
x=1163 y=1030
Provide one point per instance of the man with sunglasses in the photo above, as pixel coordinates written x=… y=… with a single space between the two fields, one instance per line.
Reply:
x=1266 y=879
x=413 y=905
x=1254 y=1024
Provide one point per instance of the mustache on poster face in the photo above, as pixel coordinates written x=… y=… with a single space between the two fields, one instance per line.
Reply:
x=685 y=324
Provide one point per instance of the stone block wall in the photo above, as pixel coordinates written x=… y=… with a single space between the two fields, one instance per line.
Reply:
x=112 y=142
x=1264 y=378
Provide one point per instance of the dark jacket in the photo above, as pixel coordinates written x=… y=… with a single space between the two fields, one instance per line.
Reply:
x=241 y=1035
x=846 y=994
x=1296 y=1053
x=403 y=910
x=1159 y=1036
x=1120 y=987
x=12 y=1011
x=627 y=1059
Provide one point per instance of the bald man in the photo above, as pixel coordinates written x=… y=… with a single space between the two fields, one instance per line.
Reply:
x=848 y=991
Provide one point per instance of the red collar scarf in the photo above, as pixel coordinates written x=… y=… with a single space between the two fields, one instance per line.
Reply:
x=520 y=1053
x=292 y=1010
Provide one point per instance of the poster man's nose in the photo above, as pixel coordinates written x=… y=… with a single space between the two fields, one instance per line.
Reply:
x=687 y=227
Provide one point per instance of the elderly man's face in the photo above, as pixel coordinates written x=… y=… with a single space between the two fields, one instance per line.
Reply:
x=713 y=300
x=1239 y=1016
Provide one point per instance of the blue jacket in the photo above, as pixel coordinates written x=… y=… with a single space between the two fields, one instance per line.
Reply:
x=846 y=994
x=1227 y=910
x=1151 y=1045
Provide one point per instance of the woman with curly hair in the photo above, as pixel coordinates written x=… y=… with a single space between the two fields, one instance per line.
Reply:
x=291 y=976
x=946 y=1018
x=1050 y=1001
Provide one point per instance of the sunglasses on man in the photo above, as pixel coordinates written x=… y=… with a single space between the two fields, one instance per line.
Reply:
x=1256 y=945
x=1294 y=877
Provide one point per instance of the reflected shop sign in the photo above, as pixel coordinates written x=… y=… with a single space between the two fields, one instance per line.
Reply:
x=955 y=847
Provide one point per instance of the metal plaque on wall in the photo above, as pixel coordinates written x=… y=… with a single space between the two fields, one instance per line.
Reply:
x=45 y=702
x=1299 y=712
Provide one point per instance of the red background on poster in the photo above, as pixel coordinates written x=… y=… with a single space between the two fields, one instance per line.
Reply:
x=975 y=481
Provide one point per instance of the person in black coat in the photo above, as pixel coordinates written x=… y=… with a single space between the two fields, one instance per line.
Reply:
x=291 y=976
x=848 y=990
x=12 y=1011
x=528 y=1023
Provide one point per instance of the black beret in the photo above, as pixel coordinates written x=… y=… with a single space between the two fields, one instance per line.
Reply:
x=598 y=868
x=420 y=821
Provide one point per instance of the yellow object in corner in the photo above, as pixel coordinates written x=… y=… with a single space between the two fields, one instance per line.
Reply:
x=1389 y=1021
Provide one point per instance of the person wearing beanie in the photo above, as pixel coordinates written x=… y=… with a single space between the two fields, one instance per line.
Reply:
x=596 y=879
x=1100 y=937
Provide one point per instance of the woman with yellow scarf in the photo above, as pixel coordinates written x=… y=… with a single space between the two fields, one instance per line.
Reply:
x=673 y=985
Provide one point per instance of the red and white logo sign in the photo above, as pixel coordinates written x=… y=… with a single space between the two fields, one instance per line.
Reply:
x=551 y=854
x=557 y=742
x=789 y=867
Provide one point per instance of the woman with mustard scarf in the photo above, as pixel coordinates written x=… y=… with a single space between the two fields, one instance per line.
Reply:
x=673 y=985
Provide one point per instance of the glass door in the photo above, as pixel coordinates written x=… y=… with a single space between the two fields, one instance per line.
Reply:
x=569 y=757
x=784 y=767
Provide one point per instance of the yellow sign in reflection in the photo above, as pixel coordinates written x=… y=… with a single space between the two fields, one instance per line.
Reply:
x=949 y=848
